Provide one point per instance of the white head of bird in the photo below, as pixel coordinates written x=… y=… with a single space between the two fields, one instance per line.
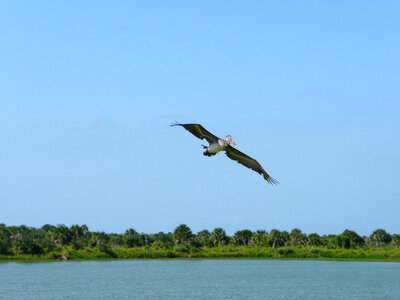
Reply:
x=231 y=141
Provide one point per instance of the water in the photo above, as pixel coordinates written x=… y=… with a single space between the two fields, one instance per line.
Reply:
x=202 y=279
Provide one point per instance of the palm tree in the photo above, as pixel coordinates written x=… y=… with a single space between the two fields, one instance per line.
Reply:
x=78 y=231
x=278 y=238
x=165 y=239
x=61 y=235
x=260 y=238
x=380 y=236
x=243 y=237
x=99 y=238
x=182 y=234
x=48 y=227
x=297 y=237
x=204 y=237
x=131 y=238
x=396 y=240
x=218 y=236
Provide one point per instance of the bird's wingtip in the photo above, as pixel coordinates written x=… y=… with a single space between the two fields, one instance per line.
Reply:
x=271 y=180
x=176 y=123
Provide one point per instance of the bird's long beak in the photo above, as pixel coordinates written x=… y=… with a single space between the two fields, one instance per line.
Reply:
x=234 y=144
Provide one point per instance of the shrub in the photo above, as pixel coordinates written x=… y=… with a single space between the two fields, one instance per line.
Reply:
x=287 y=252
x=182 y=249
x=107 y=250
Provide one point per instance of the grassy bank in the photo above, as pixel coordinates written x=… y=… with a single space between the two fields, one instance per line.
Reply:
x=368 y=254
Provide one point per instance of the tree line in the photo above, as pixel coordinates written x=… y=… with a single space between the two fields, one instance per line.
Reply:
x=16 y=240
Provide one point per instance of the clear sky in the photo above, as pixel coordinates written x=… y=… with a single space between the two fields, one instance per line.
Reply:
x=311 y=89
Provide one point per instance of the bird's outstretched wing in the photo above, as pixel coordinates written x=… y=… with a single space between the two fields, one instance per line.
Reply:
x=198 y=131
x=248 y=162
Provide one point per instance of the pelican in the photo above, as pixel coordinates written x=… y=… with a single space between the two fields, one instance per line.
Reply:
x=216 y=145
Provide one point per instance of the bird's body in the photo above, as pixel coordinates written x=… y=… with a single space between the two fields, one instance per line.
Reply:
x=216 y=145
x=214 y=148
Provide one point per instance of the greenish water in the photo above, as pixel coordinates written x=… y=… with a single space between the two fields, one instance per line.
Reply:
x=202 y=279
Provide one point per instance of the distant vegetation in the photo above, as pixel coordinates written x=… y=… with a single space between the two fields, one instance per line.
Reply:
x=77 y=242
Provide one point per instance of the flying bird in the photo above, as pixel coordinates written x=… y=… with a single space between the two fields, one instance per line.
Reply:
x=216 y=145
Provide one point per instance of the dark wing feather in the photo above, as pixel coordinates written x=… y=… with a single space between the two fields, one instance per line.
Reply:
x=198 y=131
x=248 y=162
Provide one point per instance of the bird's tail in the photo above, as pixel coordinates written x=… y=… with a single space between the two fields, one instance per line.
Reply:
x=206 y=153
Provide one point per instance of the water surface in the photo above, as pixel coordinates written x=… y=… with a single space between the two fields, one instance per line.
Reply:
x=206 y=279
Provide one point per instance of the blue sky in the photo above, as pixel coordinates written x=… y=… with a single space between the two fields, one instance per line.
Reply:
x=310 y=89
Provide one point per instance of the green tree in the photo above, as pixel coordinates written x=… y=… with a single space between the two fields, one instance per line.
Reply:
x=380 y=237
x=340 y=241
x=79 y=243
x=285 y=237
x=260 y=238
x=204 y=238
x=99 y=238
x=314 y=240
x=145 y=239
x=131 y=238
x=296 y=237
x=79 y=236
x=61 y=235
x=355 y=239
x=396 y=240
x=116 y=239
x=182 y=234
x=77 y=231
x=30 y=244
x=4 y=232
x=242 y=237
x=278 y=238
x=219 y=236
x=17 y=233
x=166 y=240
x=48 y=227
x=274 y=236
x=5 y=247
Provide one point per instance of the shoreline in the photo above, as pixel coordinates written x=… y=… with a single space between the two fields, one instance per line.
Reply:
x=181 y=256
x=197 y=259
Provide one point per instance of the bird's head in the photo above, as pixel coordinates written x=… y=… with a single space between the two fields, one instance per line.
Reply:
x=230 y=141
